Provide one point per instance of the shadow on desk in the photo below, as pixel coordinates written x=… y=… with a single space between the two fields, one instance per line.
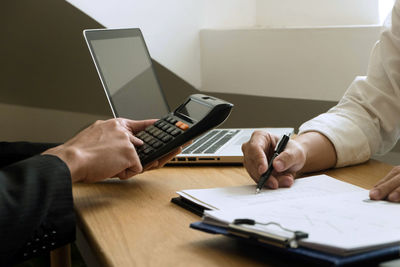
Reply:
x=100 y=199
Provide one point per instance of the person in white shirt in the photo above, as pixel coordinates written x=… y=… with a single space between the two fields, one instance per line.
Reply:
x=365 y=122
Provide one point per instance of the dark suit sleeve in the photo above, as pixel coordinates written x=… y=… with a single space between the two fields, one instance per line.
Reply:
x=36 y=212
x=11 y=152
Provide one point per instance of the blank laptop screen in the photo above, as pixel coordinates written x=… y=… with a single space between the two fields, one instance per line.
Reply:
x=128 y=77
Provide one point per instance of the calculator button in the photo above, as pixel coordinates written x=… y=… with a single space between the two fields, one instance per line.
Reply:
x=157 y=132
x=171 y=120
x=152 y=141
x=141 y=135
x=170 y=129
x=151 y=129
x=161 y=135
x=157 y=123
x=148 y=150
x=157 y=144
x=147 y=139
x=166 y=138
x=143 y=147
x=182 y=125
x=175 y=132
x=161 y=124
x=165 y=127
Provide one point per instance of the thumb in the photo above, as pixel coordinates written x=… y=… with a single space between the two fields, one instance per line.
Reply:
x=285 y=161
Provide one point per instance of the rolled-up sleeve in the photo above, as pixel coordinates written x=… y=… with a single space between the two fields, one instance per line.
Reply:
x=366 y=120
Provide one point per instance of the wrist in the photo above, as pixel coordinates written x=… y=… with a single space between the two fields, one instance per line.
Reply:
x=319 y=152
x=71 y=158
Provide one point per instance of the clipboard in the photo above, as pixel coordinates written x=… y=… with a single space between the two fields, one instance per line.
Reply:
x=307 y=255
x=331 y=244
x=289 y=240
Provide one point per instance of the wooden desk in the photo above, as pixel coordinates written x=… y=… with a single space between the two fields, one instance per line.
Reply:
x=133 y=223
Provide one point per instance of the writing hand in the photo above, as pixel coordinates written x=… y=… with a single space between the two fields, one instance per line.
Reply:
x=260 y=148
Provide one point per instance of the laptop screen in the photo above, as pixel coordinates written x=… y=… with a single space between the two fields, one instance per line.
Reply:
x=125 y=68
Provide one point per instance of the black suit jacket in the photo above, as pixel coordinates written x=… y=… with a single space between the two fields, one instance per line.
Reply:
x=36 y=206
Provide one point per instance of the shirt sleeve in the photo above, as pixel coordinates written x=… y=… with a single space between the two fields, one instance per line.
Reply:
x=366 y=120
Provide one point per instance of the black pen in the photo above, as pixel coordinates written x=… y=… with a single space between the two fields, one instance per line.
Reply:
x=278 y=149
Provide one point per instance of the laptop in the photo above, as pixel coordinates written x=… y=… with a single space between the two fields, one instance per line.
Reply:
x=133 y=91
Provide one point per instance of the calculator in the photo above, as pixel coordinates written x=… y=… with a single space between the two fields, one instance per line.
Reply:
x=198 y=114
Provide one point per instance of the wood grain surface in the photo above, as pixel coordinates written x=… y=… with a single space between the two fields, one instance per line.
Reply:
x=133 y=222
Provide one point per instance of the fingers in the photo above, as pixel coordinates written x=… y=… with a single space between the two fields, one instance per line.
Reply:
x=134 y=140
x=151 y=166
x=126 y=174
x=259 y=149
x=255 y=153
x=286 y=180
x=137 y=126
x=277 y=180
x=164 y=160
x=388 y=188
x=133 y=170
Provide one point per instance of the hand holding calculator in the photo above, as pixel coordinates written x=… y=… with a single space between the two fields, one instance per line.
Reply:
x=198 y=114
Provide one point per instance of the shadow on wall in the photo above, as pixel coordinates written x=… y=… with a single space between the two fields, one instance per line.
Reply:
x=45 y=61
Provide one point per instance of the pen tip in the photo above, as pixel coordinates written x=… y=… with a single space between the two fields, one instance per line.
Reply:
x=258 y=190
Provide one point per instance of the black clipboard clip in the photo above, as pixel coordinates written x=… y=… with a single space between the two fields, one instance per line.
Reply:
x=291 y=241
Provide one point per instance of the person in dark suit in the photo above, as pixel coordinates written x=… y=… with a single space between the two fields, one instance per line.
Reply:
x=36 y=212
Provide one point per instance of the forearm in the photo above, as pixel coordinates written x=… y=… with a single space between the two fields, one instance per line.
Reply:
x=320 y=152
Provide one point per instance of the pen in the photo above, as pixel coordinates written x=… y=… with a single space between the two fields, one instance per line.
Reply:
x=278 y=149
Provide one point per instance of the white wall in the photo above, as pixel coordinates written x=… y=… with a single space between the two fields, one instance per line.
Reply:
x=317 y=12
x=229 y=14
x=171 y=27
x=307 y=63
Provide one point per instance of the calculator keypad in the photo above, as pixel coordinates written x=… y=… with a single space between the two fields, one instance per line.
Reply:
x=160 y=133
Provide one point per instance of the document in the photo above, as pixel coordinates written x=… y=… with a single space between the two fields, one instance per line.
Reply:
x=338 y=217
x=341 y=224
x=237 y=196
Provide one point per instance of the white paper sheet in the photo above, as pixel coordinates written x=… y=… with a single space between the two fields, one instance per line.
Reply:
x=343 y=223
x=339 y=217
x=234 y=197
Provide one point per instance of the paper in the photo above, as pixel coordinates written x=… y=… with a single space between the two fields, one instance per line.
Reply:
x=342 y=223
x=238 y=196
x=339 y=217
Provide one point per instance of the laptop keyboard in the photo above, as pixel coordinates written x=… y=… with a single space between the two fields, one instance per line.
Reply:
x=210 y=142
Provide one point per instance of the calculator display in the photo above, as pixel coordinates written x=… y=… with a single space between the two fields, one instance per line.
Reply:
x=194 y=110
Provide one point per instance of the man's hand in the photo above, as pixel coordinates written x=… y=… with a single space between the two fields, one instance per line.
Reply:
x=388 y=188
x=260 y=148
x=106 y=149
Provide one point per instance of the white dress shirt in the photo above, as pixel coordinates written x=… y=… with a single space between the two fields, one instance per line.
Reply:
x=366 y=121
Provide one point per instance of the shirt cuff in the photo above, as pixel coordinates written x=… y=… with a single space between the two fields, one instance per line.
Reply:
x=350 y=142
